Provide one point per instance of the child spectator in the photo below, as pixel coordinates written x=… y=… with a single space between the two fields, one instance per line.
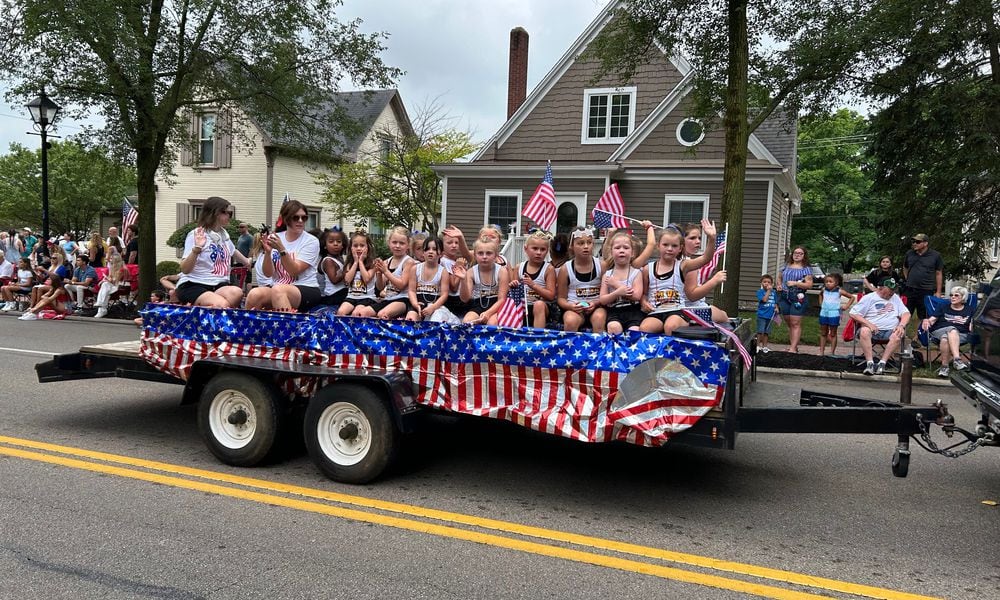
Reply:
x=392 y=276
x=117 y=275
x=331 y=267
x=538 y=277
x=25 y=278
x=622 y=289
x=359 y=271
x=829 y=311
x=429 y=286
x=767 y=306
x=579 y=285
x=56 y=298
x=484 y=284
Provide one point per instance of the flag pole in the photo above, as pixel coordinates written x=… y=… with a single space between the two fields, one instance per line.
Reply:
x=622 y=216
x=722 y=288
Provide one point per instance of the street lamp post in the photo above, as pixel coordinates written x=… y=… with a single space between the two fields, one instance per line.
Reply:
x=43 y=113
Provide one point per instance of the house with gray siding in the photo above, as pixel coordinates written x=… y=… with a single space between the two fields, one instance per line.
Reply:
x=640 y=135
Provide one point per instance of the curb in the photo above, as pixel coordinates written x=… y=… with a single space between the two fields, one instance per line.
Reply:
x=15 y=315
x=854 y=376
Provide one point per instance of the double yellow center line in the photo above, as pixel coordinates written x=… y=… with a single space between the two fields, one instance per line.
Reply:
x=451 y=525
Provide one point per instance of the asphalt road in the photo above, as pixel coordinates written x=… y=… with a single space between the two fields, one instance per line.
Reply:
x=783 y=516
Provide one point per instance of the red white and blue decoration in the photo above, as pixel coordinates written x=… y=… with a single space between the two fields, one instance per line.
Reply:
x=566 y=384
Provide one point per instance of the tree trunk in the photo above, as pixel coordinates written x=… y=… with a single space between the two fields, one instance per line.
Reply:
x=145 y=166
x=734 y=173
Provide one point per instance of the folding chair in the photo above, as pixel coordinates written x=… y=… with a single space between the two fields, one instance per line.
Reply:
x=891 y=362
x=932 y=304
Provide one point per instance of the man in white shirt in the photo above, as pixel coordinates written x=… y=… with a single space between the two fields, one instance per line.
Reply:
x=880 y=315
x=113 y=235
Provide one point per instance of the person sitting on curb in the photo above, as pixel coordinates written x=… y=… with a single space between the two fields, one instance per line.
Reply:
x=881 y=316
x=55 y=300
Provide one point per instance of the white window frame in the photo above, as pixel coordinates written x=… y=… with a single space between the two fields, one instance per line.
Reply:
x=681 y=140
x=577 y=198
x=587 y=95
x=201 y=140
x=486 y=207
x=670 y=198
x=995 y=250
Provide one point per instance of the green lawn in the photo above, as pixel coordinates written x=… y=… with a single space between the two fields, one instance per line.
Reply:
x=779 y=334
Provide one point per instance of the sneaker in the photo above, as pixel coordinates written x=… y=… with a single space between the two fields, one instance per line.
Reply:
x=943 y=372
x=869 y=368
x=8 y=306
x=28 y=316
x=101 y=313
x=765 y=349
x=959 y=365
x=880 y=369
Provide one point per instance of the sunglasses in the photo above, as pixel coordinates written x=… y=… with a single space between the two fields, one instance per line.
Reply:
x=298 y=218
x=229 y=212
x=956 y=295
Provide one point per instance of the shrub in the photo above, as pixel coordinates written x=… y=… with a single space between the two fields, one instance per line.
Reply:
x=167 y=267
x=176 y=239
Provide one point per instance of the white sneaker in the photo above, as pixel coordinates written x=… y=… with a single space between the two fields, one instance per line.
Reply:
x=880 y=368
x=869 y=368
x=765 y=349
x=8 y=306
x=28 y=316
x=959 y=365
x=943 y=372
x=101 y=313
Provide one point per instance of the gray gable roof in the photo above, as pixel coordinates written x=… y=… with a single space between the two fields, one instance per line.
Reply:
x=779 y=133
x=356 y=113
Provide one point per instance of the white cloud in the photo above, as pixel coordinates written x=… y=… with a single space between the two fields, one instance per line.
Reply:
x=452 y=51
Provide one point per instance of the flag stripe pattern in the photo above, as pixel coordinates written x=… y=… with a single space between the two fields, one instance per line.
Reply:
x=554 y=382
x=609 y=210
x=541 y=208
x=129 y=217
x=707 y=322
x=511 y=313
x=720 y=247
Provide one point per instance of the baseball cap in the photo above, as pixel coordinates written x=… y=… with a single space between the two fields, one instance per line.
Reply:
x=920 y=237
x=28 y=229
x=888 y=282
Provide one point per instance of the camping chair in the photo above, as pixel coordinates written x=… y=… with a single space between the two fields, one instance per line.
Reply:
x=932 y=304
x=851 y=335
x=123 y=298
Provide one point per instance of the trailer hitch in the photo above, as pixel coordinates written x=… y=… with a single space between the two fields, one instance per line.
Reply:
x=971 y=440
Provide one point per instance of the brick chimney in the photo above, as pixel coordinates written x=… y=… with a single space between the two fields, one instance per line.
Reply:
x=517 y=74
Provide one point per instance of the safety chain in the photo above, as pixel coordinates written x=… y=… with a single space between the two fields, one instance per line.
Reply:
x=932 y=447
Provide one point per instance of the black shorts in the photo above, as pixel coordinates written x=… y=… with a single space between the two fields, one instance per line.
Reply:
x=407 y=307
x=335 y=298
x=356 y=302
x=310 y=297
x=629 y=316
x=483 y=304
x=664 y=315
x=457 y=306
x=189 y=291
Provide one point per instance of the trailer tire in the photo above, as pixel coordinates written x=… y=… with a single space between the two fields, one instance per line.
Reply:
x=239 y=418
x=900 y=463
x=349 y=433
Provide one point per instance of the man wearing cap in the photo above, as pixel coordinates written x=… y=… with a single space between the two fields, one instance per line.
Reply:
x=880 y=316
x=245 y=241
x=29 y=242
x=923 y=270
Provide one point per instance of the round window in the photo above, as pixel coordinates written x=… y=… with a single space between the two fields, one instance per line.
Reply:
x=690 y=132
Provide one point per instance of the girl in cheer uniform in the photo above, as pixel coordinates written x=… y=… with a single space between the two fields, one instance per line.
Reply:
x=393 y=276
x=484 y=284
x=579 y=285
x=359 y=271
x=429 y=283
x=621 y=289
x=538 y=277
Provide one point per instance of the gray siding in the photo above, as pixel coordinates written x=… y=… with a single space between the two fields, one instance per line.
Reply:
x=662 y=144
x=552 y=130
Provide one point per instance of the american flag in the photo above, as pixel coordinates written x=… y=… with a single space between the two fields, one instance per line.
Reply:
x=541 y=208
x=720 y=247
x=512 y=310
x=609 y=210
x=703 y=317
x=554 y=382
x=129 y=217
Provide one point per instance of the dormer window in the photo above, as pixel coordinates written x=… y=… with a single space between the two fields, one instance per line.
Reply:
x=608 y=115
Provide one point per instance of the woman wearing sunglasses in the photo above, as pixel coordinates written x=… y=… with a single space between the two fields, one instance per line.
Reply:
x=208 y=256
x=294 y=256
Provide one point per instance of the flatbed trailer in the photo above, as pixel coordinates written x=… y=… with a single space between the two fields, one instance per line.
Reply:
x=354 y=417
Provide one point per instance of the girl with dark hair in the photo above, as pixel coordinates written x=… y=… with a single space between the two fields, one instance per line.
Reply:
x=56 y=298
x=883 y=271
x=359 y=273
x=293 y=266
x=208 y=255
x=331 y=267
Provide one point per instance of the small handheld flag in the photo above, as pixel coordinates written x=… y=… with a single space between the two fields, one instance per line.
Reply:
x=609 y=209
x=512 y=310
x=541 y=208
x=720 y=248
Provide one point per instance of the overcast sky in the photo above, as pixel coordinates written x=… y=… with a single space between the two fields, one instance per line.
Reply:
x=454 y=52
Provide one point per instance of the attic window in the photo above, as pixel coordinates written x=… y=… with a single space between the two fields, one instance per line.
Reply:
x=608 y=115
x=690 y=132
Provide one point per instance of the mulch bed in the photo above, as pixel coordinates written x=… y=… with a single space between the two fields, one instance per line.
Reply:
x=809 y=362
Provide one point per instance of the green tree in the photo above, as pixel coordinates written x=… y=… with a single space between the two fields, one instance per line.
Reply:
x=840 y=215
x=397 y=186
x=936 y=143
x=83 y=184
x=142 y=64
x=764 y=54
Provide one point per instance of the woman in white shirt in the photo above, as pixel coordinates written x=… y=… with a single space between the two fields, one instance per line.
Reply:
x=294 y=284
x=208 y=254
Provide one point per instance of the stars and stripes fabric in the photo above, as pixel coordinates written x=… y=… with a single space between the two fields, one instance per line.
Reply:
x=130 y=216
x=561 y=383
x=610 y=209
x=221 y=257
x=512 y=310
x=720 y=247
x=705 y=320
x=541 y=208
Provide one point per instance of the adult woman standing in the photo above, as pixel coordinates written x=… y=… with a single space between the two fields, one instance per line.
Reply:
x=883 y=271
x=97 y=250
x=795 y=280
x=208 y=254
x=293 y=268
